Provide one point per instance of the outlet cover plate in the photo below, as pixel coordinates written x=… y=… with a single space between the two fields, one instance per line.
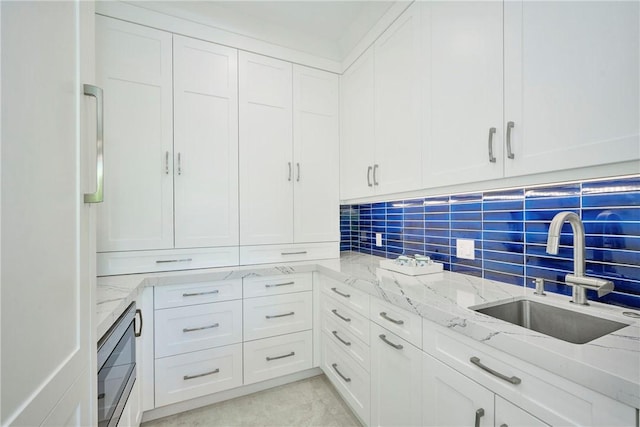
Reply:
x=465 y=248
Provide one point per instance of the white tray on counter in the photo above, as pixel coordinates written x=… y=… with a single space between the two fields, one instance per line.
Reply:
x=389 y=264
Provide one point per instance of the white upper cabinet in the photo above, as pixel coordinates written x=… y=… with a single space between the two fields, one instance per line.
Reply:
x=205 y=163
x=133 y=66
x=571 y=84
x=266 y=153
x=464 y=41
x=315 y=154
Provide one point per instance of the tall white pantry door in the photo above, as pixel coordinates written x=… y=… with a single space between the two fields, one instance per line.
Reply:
x=48 y=359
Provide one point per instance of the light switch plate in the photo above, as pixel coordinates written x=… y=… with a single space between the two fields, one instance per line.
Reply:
x=465 y=248
x=379 y=240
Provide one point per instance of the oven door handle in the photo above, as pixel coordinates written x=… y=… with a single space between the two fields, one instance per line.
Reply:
x=139 y=331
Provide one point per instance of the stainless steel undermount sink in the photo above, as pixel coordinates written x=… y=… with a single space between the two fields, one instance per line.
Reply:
x=566 y=325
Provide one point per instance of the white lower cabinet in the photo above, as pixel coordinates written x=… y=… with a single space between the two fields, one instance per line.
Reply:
x=132 y=414
x=509 y=415
x=396 y=382
x=276 y=315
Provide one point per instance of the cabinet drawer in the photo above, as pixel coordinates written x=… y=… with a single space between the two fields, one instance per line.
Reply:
x=347 y=341
x=406 y=325
x=356 y=324
x=275 y=285
x=197 y=293
x=349 y=378
x=112 y=263
x=197 y=374
x=185 y=329
x=265 y=254
x=277 y=356
x=277 y=315
x=347 y=295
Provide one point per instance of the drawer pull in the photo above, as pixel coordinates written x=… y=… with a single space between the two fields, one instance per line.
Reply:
x=190 y=377
x=293 y=253
x=274 y=316
x=280 y=284
x=340 y=293
x=335 y=368
x=269 y=359
x=215 y=325
x=164 y=261
x=479 y=414
x=385 y=317
x=512 y=380
x=346 y=319
x=335 y=334
x=196 y=294
x=383 y=337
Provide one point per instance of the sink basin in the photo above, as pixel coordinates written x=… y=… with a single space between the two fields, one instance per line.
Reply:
x=566 y=325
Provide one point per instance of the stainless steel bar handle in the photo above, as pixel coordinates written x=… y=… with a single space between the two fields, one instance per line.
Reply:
x=340 y=293
x=275 y=316
x=179 y=164
x=279 y=284
x=138 y=333
x=375 y=174
x=201 y=328
x=385 y=317
x=269 y=359
x=335 y=334
x=293 y=253
x=190 y=377
x=504 y=425
x=166 y=163
x=383 y=337
x=492 y=132
x=346 y=319
x=479 y=414
x=98 y=196
x=165 y=261
x=510 y=125
x=335 y=368
x=289 y=177
x=196 y=294
x=512 y=380
x=298 y=172
x=369 y=168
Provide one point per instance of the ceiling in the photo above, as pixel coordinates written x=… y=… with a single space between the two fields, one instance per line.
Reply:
x=328 y=29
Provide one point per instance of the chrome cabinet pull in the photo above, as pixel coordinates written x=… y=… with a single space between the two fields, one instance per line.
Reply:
x=165 y=261
x=215 y=325
x=504 y=425
x=335 y=368
x=298 y=173
x=166 y=163
x=275 y=316
x=293 y=253
x=479 y=414
x=383 y=337
x=179 y=164
x=492 y=132
x=346 y=319
x=98 y=196
x=190 y=377
x=385 y=317
x=369 y=168
x=196 y=294
x=375 y=174
x=510 y=125
x=138 y=333
x=289 y=177
x=512 y=380
x=340 y=293
x=335 y=334
x=279 y=284
x=269 y=359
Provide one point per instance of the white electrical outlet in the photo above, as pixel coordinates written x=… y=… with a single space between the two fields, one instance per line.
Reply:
x=465 y=248
x=379 y=240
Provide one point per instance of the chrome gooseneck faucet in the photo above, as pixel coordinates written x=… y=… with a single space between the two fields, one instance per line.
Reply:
x=578 y=280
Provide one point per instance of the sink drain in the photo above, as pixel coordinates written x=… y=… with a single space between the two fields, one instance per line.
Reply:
x=631 y=314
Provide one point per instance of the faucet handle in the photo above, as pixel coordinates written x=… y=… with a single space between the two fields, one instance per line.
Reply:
x=539 y=281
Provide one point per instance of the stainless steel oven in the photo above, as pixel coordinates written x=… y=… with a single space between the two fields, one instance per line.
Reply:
x=116 y=368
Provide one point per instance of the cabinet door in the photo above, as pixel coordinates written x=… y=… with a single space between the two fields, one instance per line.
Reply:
x=466 y=92
x=509 y=415
x=571 y=84
x=396 y=382
x=316 y=153
x=266 y=153
x=205 y=143
x=357 y=129
x=398 y=101
x=451 y=399
x=137 y=212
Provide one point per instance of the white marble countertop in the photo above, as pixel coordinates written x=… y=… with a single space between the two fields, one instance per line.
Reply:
x=609 y=365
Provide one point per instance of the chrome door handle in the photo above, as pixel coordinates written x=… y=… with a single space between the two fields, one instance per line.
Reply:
x=190 y=377
x=479 y=414
x=293 y=253
x=369 y=168
x=166 y=163
x=335 y=368
x=512 y=380
x=289 y=177
x=166 y=261
x=98 y=196
x=138 y=333
x=275 y=316
x=383 y=337
x=298 y=172
x=279 y=284
x=385 y=317
x=196 y=294
x=201 y=328
x=179 y=164
x=340 y=293
x=510 y=125
x=335 y=334
x=375 y=174
x=492 y=132
x=346 y=319
x=269 y=359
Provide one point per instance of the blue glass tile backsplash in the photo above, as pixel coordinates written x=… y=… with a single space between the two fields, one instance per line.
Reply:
x=510 y=232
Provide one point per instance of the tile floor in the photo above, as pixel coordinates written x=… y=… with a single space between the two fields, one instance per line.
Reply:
x=310 y=402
